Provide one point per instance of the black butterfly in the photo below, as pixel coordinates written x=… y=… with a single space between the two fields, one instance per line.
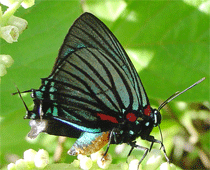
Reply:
x=94 y=94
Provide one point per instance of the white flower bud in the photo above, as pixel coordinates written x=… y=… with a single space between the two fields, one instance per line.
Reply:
x=134 y=164
x=29 y=155
x=96 y=155
x=6 y=60
x=86 y=163
x=167 y=166
x=119 y=148
x=9 y=33
x=11 y=166
x=80 y=156
x=104 y=162
x=154 y=159
x=3 y=70
x=41 y=158
x=21 y=164
x=27 y=3
x=20 y=23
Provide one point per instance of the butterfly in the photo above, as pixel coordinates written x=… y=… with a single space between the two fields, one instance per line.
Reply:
x=94 y=94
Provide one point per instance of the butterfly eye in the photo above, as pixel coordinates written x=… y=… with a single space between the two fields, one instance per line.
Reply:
x=157 y=118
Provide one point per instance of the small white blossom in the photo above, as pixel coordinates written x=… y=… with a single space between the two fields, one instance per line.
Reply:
x=3 y=70
x=9 y=33
x=119 y=148
x=29 y=155
x=6 y=60
x=80 y=156
x=167 y=166
x=41 y=158
x=96 y=155
x=85 y=163
x=11 y=166
x=27 y=3
x=104 y=161
x=20 y=23
x=134 y=164
x=21 y=164
x=154 y=159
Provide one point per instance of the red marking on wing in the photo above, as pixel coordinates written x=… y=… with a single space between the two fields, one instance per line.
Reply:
x=131 y=117
x=147 y=111
x=107 y=117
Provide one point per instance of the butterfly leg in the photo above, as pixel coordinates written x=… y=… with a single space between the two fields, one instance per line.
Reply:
x=151 y=146
x=133 y=145
x=153 y=140
x=110 y=139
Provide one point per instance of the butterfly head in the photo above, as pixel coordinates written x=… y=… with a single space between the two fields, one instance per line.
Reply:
x=37 y=110
x=37 y=124
x=156 y=118
x=152 y=117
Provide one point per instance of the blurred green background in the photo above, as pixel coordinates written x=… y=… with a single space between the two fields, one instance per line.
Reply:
x=168 y=42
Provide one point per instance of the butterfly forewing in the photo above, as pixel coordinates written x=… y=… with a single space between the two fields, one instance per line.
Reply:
x=93 y=75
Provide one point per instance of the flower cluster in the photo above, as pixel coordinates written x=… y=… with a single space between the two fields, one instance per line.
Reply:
x=152 y=162
x=94 y=161
x=11 y=26
x=39 y=160
x=5 y=62
x=31 y=160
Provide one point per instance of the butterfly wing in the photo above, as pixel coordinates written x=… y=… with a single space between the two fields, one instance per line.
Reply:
x=93 y=80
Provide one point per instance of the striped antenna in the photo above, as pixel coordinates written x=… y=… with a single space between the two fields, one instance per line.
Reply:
x=178 y=93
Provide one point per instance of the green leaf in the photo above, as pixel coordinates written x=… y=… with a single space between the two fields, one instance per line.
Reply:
x=168 y=42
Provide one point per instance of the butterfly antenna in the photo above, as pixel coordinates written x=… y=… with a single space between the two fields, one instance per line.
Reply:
x=173 y=97
x=166 y=101
x=21 y=92
x=18 y=92
x=178 y=93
